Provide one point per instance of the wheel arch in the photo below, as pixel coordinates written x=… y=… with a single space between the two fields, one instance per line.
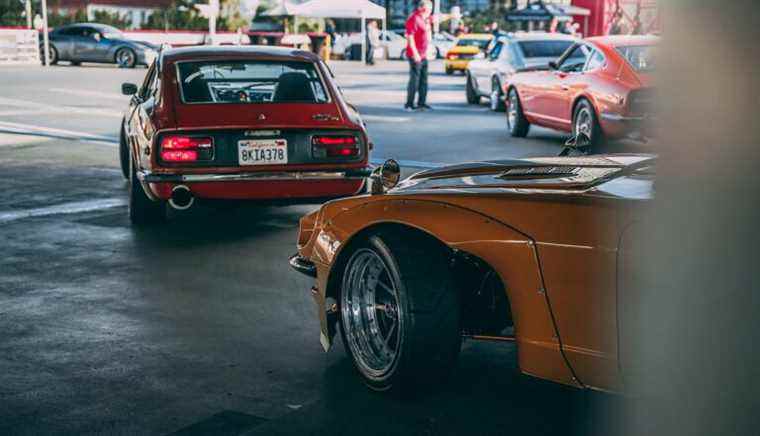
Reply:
x=410 y=217
x=579 y=98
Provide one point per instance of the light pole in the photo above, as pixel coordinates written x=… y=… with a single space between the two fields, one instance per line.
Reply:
x=46 y=43
x=210 y=11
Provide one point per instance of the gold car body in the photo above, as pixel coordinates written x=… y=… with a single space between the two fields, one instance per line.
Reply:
x=554 y=242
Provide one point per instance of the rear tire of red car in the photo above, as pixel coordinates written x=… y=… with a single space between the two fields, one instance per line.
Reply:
x=142 y=210
x=472 y=95
x=586 y=121
x=410 y=338
x=517 y=124
x=124 y=153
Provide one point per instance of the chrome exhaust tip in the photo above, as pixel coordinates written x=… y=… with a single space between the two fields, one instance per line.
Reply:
x=181 y=198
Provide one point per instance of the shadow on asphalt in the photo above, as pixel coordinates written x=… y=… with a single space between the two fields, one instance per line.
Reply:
x=485 y=396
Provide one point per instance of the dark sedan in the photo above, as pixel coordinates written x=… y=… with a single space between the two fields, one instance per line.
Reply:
x=90 y=42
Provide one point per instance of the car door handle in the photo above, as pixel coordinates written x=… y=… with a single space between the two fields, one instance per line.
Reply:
x=565 y=88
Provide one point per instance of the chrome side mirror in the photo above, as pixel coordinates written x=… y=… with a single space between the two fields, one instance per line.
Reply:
x=385 y=177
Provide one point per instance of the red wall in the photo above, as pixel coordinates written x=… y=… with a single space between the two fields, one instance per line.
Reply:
x=596 y=22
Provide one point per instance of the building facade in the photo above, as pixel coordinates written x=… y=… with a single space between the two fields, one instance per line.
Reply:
x=136 y=12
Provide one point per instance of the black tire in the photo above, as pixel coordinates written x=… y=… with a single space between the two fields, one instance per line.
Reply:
x=428 y=337
x=472 y=95
x=124 y=153
x=53 y=54
x=596 y=138
x=449 y=71
x=142 y=210
x=497 y=96
x=125 y=58
x=517 y=124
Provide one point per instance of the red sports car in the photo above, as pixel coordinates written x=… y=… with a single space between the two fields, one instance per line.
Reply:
x=239 y=123
x=601 y=87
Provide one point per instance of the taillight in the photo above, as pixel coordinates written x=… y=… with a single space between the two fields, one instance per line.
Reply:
x=451 y=56
x=334 y=146
x=176 y=148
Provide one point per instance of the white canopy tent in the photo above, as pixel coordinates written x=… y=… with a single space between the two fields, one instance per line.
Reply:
x=283 y=9
x=357 y=9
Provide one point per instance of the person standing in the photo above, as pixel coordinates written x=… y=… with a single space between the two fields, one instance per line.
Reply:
x=373 y=41
x=418 y=37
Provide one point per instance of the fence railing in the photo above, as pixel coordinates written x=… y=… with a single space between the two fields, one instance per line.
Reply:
x=19 y=46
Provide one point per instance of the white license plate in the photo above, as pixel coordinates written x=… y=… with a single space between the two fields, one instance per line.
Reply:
x=263 y=152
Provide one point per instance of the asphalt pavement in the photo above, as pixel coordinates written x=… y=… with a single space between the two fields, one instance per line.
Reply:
x=200 y=326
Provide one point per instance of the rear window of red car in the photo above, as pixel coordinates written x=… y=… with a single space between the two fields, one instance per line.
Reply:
x=640 y=57
x=250 y=82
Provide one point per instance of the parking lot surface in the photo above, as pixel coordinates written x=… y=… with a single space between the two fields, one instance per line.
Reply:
x=200 y=326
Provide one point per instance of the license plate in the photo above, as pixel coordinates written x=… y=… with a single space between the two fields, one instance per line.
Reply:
x=263 y=152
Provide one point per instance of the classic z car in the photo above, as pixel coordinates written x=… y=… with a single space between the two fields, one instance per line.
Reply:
x=601 y=87
x=524 y=250
x=91 y=42
x=239 y=123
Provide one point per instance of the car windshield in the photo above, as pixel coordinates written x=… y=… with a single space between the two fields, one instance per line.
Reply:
x=251 y=82
x=111 y=33
x=544 y=49
x=479 y=43
x=640 y=57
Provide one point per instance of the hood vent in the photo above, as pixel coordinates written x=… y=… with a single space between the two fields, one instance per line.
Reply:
x=542 y=172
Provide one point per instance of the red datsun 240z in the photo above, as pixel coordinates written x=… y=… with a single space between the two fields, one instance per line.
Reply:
x=238 y=123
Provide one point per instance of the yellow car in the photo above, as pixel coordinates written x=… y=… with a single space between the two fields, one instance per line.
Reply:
x=466 y=48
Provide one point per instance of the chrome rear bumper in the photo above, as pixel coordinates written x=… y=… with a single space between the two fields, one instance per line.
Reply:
x=148 y=177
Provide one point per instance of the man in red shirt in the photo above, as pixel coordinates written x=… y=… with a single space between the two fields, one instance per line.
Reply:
x=418 y=37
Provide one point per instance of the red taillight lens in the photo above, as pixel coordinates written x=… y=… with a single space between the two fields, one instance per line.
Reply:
x=186 y=148
x=335 y=146
x=451 y=56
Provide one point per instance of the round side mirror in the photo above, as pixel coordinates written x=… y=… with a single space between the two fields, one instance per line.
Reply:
x=128 y=88
x=386 y=176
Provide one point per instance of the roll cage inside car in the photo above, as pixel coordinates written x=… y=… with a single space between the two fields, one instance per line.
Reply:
x=580 y=57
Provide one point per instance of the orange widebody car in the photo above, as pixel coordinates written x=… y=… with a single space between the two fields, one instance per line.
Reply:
x=523 y=250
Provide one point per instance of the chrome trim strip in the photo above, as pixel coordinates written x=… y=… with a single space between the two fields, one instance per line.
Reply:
x=148 y=177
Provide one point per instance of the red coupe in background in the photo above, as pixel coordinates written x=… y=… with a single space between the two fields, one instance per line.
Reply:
x=239 y=123
x=601 y=87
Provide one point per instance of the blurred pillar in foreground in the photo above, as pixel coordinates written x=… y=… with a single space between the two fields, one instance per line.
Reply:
x=698 y=273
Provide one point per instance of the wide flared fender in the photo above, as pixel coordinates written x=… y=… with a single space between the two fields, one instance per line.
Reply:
x=509 y=252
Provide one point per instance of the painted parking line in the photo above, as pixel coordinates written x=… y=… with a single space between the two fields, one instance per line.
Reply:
x=62 y=209
x=27 y=129
x=50 y=132
x=385 y=119
x=62 y=109
x=96 y=94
